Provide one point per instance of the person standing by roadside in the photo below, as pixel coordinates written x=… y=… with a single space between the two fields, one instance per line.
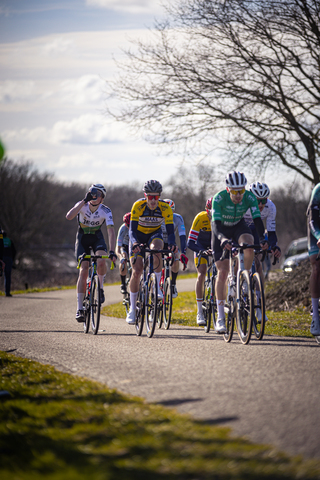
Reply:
x=313 y=229
x=1 y=252
x=9 y=254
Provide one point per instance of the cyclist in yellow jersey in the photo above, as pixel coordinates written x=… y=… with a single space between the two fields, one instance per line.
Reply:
x=147 y=216
x=200 y=239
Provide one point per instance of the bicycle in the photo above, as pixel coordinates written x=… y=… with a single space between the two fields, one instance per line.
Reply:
x=165 y=304
x=92 y=300
x=240 y=297
x=126 y=296
x=147 y=300
x=209 y=304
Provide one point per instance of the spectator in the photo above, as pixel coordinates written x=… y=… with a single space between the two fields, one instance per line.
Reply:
x=9 y=254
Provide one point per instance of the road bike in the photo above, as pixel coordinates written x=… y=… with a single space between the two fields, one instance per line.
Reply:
x=92 y=300
x=147 y=300
x=258 y=298
x=165 y=304
x=209 y=304
x=126 y=296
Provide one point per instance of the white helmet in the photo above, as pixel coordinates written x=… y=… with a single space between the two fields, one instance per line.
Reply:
x=260 y=190
x=171 y=203
x=236 y=180
x=99 y=187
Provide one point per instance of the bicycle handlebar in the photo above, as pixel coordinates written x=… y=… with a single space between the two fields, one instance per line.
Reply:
x=85 y=256
x=151 y=250
x=257 y=249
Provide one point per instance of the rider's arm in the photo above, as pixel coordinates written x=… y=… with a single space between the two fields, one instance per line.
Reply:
x=75 y=210
x=216 y=228
x=183 y=243
x=272 y=239
x=171 y=235
x=314 y=221
x=133 y=231
x=111 y=237
x=258 y=223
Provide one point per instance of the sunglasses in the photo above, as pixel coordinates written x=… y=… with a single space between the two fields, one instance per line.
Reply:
x=234 y=192
x=153 y=197
x=263 y=201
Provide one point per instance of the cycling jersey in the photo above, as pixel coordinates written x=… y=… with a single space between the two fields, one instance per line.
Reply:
x=313 y=212
x=147 y=221
x=200 y=233
x=269 y=215
x=90 y=223
x=179 y=229
x=123 y=236
x=230 y=214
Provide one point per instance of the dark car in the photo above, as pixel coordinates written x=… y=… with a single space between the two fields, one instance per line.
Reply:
x=295 y=254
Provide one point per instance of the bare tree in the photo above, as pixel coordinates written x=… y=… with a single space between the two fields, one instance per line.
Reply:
x=242 y=75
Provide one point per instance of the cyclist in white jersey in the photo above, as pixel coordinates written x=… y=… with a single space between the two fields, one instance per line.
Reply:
x=92 y=214
x=123 y=250
x=180 y=230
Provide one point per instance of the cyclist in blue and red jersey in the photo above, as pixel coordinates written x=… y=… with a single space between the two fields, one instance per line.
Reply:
x=92 y=214
x=228 y=224
x=313 y=249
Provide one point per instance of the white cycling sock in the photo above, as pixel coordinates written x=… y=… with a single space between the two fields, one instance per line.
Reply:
x=158 y=277
x=315 y=308
x=80 y=297
x=199 y=304
x=133 y=300
x=220 y=307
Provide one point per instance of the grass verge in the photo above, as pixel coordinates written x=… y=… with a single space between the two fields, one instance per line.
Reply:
x=184 y=312
x=59 y=426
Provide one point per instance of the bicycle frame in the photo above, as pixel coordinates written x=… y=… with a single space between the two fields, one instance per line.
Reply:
x=209 y=307
x=165 y=304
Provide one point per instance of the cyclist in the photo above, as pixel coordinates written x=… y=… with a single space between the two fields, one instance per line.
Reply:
x=179 y=229
x=268 y=213
x=2 y=264
x=228 y=224
x=313 y=249
x=123 y=250
x=147 y=215
x=92 y=214
x=200 y=238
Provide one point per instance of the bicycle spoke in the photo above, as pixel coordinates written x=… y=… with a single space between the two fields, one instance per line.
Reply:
x=151 y=304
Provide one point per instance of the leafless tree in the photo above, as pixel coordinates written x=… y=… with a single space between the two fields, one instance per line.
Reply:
x=242 y=75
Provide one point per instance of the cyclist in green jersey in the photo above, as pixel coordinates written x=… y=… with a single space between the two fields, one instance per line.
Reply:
x=313 y=249
x=228 y=224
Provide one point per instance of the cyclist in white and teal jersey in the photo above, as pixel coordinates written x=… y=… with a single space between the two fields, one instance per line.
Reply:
x=228 y=224
x=92 y=214
x=179 y=230
x=123 y=250
x=313 y=249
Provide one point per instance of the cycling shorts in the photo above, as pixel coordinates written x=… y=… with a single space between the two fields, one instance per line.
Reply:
x=147 y=239
x=86 y=240
x=231 y=233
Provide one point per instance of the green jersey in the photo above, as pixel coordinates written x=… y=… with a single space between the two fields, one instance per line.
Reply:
x=230 y=214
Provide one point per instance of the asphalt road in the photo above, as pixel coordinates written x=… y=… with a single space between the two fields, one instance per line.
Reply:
x=266 y=391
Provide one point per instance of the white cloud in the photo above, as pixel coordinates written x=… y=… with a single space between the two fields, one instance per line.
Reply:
x=130 y=6
x=58 y=46
x=13 y=90
x=86 y=89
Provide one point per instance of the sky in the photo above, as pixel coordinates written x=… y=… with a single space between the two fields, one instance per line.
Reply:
x=55 y=58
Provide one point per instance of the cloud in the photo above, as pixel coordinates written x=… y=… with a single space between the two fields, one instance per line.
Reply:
x=86 y=89
x=129 y=6
x=58 y=46
x=16 y=91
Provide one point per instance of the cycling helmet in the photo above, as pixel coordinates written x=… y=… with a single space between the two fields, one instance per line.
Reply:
x=209 y=204
x=152 y=186
x=236 y=180
x=171 y=203
x=260 y=190
x=99 y=187
x=126 y=218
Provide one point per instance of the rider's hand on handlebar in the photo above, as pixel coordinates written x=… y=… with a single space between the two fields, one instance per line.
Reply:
x=264 y=244
x=226 y=244
x=184 y=260
x=136 y=248
x=276 y=251
x=113 y=257
x=173 y=248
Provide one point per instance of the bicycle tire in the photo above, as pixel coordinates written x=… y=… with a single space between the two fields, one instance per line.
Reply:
x=206 y=305
x=95 y=304
x=140 y=309
x=258 y=302
x=230 y=314
x=86 y=311
x=126 y=302
x=151 y=299
x=245 y=308
x=167 y=303
x=213 y=302
x=160 y=314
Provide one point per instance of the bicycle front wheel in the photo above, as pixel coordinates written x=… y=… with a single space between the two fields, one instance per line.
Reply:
x=167 y=303
x=244 y=310
x=140 y=309
x=258 y=306
x=213 y=302
x=95 y=304
x=229 y=311
x=151 y=296
x=86 y=311
x=206 y=305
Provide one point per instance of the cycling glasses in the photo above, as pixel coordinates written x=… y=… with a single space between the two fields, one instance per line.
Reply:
x=234 y=192
x=263 y=201
x=153 y=197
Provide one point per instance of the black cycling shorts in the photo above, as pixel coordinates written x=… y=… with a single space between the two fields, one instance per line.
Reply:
x=86 y=240
x=147 y=238
x=231 y=233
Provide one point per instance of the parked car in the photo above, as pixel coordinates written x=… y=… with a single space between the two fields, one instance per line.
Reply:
x=295 y=254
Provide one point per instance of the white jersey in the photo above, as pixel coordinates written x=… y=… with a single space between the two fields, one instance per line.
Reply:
x=178 y=225
x=92 y=222
x=123 y=235
x=268 y=213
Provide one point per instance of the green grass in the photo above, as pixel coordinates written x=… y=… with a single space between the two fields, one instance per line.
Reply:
x=290 y=324
x=59 y=426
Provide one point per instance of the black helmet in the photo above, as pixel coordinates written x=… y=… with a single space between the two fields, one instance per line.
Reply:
x=152 y=186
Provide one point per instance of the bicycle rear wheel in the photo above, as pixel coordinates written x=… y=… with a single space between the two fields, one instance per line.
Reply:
x=258 y=303
x=244 y=310
x=95 y=304
x=151 y=296
x=86 y=311
x=140 y=309
x=167 y=303
x=206 y=305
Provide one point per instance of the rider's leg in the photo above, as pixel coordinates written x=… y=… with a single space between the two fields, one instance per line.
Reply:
x=101 y=267
x=157 y=244
x=82 y=283
x=221 y=285
x=249 y=252
x=314 y=285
